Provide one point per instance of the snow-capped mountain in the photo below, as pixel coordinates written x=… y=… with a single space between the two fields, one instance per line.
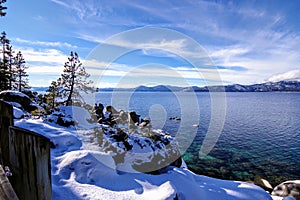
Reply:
x=281 y=86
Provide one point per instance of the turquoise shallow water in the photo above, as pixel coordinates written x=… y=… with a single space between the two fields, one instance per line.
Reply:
x=261 y=133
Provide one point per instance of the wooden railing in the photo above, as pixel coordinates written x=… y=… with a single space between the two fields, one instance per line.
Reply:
x=27 y=154
x=6 y=190
x=6 y=120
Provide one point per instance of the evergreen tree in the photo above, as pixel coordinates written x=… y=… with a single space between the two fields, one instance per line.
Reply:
x=21 y=80
x=74 y=80
x=10 y=63
x=52 y=93
x=4 y=62
x=2 y=8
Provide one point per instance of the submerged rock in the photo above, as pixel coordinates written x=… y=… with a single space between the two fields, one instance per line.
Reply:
x=263 y=183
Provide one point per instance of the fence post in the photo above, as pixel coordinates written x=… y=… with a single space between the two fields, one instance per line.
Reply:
x=6 y=120
x=30 y=164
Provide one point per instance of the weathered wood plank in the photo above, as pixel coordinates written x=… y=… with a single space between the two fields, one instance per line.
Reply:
x=6 y=120
x=30 y=164
x=6 y=191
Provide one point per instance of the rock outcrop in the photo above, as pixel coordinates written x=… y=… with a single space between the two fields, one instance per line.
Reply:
x=19 y=100
x=150 y=152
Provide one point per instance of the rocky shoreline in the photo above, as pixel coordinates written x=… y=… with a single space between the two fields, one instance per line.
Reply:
x=158 y=141
x=127 y=137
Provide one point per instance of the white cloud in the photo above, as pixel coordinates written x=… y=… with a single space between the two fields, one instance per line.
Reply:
x=224 y=55
x=51 y=56
x=44 y=69
x=46 y=44
x=44 y=65
x=293 y=75
x=90 y=38
x=161 y=44
x=61 y=3
x=158 y=73
x=168 y=42
x=225 y=52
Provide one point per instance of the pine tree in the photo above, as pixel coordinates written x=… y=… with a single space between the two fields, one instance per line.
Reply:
x=10 y=64
x=4 y=62
x=2 y=8
x=52 y=94
x=74 y=80
x=21 y=80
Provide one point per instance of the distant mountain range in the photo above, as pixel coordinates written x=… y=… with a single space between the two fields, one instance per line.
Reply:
x=281 y=86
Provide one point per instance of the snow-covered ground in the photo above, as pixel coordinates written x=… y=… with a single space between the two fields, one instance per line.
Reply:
x=83 y=169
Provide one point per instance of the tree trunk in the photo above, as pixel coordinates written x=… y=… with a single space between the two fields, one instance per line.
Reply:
x=72 y=85
x=20 y=80
x=10 y=70
x=53 y=101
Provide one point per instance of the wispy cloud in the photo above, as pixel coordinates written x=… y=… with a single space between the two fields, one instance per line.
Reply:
x=62 y=3
x=52 y=56
x=231 y=51
x=148 y=74
x=45 y=69
x=39 y=18
x=293 y=75
x=233 y=68
x=45 y=44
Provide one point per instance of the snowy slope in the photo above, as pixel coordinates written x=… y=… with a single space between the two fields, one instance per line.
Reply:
x=83 y=169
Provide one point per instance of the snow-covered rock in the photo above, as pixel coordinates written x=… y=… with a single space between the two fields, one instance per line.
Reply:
x=16 y=98
x=71 y=115
x=288 y=188
x=144 y=152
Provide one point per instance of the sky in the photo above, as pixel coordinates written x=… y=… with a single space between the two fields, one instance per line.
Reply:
x=187 y=42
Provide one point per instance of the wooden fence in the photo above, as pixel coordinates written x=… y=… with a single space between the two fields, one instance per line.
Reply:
x=28 y=156
x=6 y=190
x=6 y=120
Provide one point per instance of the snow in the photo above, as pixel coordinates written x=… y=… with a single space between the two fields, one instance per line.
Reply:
x=18 y=113
x=283 y=198
x=34 y=104
x=81 y=169
x=14 y=93
x=79 y=115
x=294 y=181
x=14 y=104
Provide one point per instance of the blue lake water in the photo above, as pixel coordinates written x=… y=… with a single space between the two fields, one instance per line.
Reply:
x=260 y=137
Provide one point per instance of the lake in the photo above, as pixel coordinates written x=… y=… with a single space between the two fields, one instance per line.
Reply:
x=260 y=136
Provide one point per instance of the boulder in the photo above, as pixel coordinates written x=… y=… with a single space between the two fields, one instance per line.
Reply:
x=288 y=188
x=13 y=97
x=133 y=118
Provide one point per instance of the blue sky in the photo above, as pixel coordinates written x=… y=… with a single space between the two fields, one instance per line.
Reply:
x=245 y=41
